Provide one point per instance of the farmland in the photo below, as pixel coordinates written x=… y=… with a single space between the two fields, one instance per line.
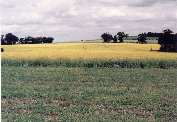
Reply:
x=86 y=53
x=88 y=82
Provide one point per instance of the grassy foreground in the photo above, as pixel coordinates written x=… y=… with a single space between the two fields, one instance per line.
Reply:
x=87 y=94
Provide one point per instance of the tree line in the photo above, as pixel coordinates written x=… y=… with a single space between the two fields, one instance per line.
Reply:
x=108 y=37
x=10 y=39
x=167 y=39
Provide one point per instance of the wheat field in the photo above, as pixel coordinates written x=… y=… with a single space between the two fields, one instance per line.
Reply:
x=85 y=51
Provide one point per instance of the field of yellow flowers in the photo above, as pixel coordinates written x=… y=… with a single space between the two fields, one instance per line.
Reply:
x=85 y=51
x=87 y=54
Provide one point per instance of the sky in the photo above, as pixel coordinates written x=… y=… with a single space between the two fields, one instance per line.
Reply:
x=75 y=20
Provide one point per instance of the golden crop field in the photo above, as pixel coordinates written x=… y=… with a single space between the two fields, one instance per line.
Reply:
x=85 y=51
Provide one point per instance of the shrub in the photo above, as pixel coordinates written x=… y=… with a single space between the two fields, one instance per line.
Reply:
x=2 y=50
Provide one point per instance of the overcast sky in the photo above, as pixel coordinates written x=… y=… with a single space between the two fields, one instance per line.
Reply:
x=75 y=20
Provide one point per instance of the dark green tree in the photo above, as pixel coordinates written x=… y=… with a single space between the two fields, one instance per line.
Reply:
x=22 y=41
x=50 y=39
x=38 y=40
x=142 y=38
x=121 y=35
x=107 y=37
x=11 y=39
x=115 y=39
x=168 y=41
x=2 y=40
x=47 y=39
x=29 y=40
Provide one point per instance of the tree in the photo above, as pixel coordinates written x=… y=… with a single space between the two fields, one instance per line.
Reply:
x=2 y=37
x=22 y=40
x=107 y=37
x=10 y=39
x=29 y=40
x=142 y=38
x=121 y=35
x=50 y=39
x=168 y=41
x=2 y=40
x=115 y=39
x=47 y=39
x=38 y=40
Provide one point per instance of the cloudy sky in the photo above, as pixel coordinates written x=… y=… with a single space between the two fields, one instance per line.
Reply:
x=75 y=20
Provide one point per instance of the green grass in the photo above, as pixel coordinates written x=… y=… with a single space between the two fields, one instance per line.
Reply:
x=87 y=94
x=96 y=63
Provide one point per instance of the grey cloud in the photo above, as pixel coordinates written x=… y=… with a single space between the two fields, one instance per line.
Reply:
x=88 y=19
x=7 y=4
